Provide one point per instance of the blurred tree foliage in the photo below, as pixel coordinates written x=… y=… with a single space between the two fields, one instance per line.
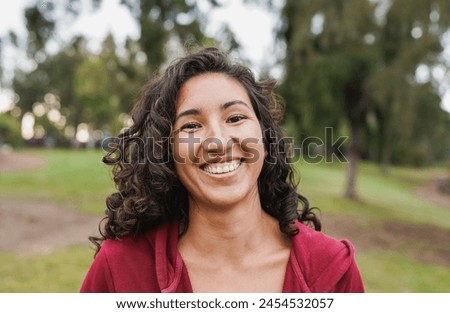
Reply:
x=97 y=88
x=10 y=130
x=162 y=21
x=1 y=65
x=351 y=65
x=90 y=88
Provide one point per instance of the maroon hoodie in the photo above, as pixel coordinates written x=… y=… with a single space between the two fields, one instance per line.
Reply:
x=152 y=263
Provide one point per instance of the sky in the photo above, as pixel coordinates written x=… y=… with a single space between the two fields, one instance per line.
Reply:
x=252 y=25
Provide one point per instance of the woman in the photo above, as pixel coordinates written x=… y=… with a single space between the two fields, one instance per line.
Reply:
x=206 y=197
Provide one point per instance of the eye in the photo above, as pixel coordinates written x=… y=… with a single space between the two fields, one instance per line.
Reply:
x=190 y=127
x=235 y=118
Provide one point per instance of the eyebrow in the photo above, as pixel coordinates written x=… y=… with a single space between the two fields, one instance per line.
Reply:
x=224 y=106
x=188 y=112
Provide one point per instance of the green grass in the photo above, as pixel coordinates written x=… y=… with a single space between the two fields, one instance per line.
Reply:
x=380 y=196
x=75 y=179
x=79 y=181
x=60 y=271
x=389 y=271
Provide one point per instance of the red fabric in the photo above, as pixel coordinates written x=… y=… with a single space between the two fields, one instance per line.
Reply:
x=152 y=263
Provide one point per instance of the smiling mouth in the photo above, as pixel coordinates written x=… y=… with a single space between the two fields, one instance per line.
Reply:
x=222 y=168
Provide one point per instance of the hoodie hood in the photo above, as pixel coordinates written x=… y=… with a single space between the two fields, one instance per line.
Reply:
x=319 y=263
x=171 y=272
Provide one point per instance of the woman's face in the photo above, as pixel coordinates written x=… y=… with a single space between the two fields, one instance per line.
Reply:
x=217 y=141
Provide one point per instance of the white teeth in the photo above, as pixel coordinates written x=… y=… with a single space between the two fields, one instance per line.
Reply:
x=219 y=168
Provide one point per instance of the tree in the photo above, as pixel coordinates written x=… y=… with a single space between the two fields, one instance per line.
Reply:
x=105 y=86
x=40 y=27
x=97 y=88
x=90 y=88
x=1 y=65
x=351 y=64
x=54 y=75
x=170 y=21
x=410 y=37
x=9 y=130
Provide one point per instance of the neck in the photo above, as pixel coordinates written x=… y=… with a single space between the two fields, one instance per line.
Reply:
x=230 y=232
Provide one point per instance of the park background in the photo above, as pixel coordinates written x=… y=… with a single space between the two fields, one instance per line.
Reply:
x=375 y=71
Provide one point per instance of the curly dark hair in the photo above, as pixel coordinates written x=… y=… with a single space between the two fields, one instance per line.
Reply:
x=149 y=192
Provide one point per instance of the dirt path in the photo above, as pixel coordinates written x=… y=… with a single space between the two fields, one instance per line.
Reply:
x=38 y=227
x=430 y=191
x=28 y=227
x=14 y=162
x=427 y=244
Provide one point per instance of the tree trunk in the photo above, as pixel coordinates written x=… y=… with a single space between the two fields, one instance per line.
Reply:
x=353 y=159
x=387 y=138
x=386 y=159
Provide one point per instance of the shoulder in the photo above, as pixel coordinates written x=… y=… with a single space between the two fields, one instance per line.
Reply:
x=124 y=265
x=323 y=261
x=150 y=243
x=315 y=250
x=128 y=247
x=315 y=242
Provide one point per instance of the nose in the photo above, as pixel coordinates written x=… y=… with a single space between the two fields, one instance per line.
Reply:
x=218 y=142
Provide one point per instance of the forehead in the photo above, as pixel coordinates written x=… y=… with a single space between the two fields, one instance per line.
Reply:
x=211 y=88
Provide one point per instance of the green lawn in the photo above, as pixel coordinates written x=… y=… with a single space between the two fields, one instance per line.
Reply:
x=81 y=182
x=390 y=271
x=60 y=271
x=77 y=179
x=390 y=197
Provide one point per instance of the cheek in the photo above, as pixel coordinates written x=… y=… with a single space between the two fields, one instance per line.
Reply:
x=253 y=140
x=253 y=148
